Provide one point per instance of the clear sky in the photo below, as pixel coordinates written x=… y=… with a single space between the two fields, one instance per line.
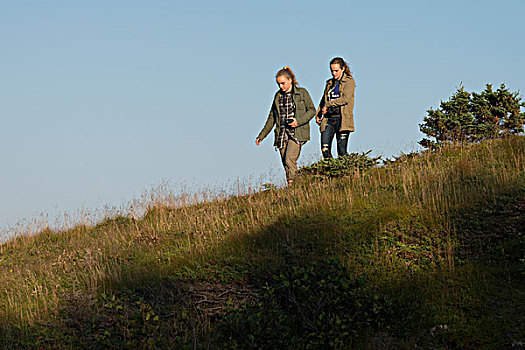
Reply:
x=103 y=100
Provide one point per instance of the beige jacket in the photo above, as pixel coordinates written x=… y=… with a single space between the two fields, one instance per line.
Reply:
x=346 y=101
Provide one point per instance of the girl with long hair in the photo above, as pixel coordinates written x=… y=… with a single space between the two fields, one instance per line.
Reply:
x=335 y=114
x=290 y=114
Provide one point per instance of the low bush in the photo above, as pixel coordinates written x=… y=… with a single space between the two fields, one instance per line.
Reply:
x=317 y=306
x=341 y=166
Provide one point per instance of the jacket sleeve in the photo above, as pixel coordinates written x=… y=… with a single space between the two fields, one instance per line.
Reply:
x=322 y=102
x=310 y=109
x=347 y=95
x=268 y=126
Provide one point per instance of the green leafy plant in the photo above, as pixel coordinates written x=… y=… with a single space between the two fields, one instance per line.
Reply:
x=317 y=306
x=341 y=166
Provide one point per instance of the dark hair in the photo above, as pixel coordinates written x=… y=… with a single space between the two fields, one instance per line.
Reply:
x=287 y=72
x=344 y=66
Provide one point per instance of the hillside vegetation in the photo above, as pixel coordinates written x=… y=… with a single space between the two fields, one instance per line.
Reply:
x=427 y=251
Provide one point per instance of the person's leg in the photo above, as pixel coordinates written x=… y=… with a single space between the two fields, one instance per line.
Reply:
x=342 y=142
x=327 y=137
x=283 y=159
x=342 y=139
x=289 y=155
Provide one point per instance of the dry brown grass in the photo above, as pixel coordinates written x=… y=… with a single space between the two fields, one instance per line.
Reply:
x=38 y=272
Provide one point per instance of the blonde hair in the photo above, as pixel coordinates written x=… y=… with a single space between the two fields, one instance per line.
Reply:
x=342 y=64
x=287 y=72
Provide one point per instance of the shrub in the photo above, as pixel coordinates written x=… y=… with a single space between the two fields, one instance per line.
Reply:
x=472 y=117
x=318 y=306
x=341 y=166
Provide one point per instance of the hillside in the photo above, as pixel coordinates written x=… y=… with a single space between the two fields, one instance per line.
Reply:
x=427 y=251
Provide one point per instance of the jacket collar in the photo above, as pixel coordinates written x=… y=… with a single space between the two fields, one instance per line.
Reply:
x=295 y=91
x=343 y=79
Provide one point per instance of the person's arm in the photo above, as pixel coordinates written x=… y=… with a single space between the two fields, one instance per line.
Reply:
x=268 y=126
x=321 y=103
x=347 y=94
x=321 y=110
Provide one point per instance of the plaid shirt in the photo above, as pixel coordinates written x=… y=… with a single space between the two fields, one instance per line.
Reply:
x=286 y=111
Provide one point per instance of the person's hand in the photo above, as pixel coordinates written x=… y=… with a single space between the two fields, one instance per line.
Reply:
x=318 y=120
x=294 y=123
x=257 y=141
x=324 y=110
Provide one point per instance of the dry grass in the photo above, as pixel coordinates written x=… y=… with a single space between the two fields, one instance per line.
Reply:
x=181 y=234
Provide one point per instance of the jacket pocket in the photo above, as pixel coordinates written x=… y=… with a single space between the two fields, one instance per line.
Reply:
x=300 y=107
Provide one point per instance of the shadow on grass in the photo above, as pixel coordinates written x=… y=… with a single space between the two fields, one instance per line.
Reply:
x=184 y=305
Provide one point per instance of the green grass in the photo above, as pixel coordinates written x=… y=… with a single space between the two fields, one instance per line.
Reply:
x=436 y=239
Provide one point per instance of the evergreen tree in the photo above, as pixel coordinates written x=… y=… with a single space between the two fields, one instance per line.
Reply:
x=472 y=117
x=497 y=113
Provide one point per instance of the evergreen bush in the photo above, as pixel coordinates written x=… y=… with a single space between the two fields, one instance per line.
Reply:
x=341 y=166
x=471 y=117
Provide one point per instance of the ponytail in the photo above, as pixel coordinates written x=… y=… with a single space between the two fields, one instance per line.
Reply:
x=287 y=72
x=344 y=66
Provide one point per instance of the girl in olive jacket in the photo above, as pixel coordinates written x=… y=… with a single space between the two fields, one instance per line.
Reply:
x=291 y=112
x=335 y=114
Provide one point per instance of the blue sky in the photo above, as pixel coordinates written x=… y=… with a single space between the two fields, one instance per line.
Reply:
x=103 y=100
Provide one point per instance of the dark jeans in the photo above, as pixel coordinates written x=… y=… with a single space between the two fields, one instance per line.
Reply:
x=332 y=128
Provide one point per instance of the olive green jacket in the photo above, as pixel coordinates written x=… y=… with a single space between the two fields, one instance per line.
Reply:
x=304 y=112
x=346 y=101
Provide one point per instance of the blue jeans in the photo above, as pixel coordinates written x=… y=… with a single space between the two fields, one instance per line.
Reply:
x=332 y=128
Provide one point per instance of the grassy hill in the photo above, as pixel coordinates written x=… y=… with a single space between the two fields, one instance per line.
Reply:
x=427 y=251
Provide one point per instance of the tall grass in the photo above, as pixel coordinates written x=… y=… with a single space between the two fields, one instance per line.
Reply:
x=390 y=219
